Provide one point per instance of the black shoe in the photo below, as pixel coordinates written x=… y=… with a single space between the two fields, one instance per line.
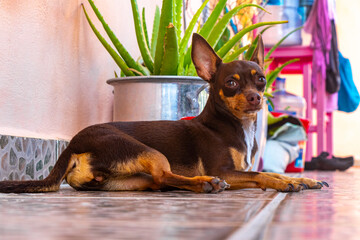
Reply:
x=335 y=163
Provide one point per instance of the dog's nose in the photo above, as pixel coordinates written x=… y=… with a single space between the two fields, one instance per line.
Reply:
x=253 y=98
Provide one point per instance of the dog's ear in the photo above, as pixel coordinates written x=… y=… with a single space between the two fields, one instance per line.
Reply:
x=205 y=59
x=258 y=55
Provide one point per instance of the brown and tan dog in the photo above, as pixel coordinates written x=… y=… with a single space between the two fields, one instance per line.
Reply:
x=177 y=154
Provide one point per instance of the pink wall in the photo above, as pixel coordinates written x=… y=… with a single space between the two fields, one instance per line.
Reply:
x=53 y=70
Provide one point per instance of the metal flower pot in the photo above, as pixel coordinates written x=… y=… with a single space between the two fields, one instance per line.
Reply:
x=157 y=97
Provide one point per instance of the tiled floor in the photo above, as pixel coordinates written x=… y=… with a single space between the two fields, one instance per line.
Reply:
x=331 y=213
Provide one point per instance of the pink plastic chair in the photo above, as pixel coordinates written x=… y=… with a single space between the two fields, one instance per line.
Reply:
x=323 y=128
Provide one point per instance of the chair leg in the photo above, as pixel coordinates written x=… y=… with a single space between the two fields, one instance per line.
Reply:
x=308 y=97
x=321 y=113
x=329 y=134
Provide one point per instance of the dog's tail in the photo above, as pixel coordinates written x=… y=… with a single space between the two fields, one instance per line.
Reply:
x=49 y=184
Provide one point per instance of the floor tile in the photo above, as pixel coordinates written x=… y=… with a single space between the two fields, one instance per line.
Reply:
x=330 y=213
x=68 y=214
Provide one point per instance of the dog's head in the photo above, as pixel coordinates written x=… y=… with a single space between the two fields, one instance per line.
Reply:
x=239 y=85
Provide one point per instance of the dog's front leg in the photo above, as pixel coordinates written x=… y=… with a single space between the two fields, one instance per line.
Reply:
x=240 y=180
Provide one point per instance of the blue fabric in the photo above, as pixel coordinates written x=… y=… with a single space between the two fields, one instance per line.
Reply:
x=282 y=148
x=285 y=153
x=349 y=97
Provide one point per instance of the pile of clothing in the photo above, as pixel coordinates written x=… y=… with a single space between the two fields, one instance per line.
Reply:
x=282 y=148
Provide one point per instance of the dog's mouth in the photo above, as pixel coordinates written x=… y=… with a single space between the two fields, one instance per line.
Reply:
x=248 y=110
x=253 y=109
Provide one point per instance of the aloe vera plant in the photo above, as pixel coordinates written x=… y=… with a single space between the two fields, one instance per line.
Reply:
x=168 y=52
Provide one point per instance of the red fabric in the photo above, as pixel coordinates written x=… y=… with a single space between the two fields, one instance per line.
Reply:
x=187 y=118
x=305 y=122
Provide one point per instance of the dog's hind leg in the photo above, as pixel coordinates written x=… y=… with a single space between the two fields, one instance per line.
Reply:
x=156 y=164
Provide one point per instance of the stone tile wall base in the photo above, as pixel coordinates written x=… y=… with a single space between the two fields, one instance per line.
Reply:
x=24 y=158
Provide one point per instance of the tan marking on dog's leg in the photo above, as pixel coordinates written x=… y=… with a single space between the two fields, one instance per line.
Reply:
x=131 y=166
x=244 y=185
x=200 y=170
x=276 y=175
x=238 y=159
x=81 y=173
x=238 y=180
x=137 y=182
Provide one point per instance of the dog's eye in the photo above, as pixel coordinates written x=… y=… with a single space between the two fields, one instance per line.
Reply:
x=231 y=84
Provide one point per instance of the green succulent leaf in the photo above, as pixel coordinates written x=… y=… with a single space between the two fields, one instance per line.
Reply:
x=214 y=16
x=190 y=28
x=155 y=31
x=224 y=21
x=251 y=49
x=226 y=48
x=119 y=61
x=144 y=50
x=181 y=69
x=177 y=15
x=187 y=58
x=235 y=54
x=271 y=76
x=145 y=28
x=170 y=60
x=268 y=95
x=166 y=18
x=223 y=39
x=264 y=30
x=191 y=71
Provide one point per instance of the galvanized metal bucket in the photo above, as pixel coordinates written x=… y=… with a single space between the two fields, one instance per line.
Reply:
x=157 y=97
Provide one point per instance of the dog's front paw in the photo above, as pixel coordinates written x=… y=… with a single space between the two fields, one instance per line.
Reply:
x=214 y=185
x=290 y=184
